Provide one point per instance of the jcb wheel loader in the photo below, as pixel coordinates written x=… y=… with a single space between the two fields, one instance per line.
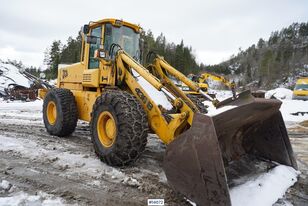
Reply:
x=103 y=89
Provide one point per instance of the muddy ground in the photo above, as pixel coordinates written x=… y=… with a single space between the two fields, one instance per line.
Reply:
x=33 y=161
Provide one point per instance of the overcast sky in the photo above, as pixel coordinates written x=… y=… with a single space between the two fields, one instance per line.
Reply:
x=214 y=28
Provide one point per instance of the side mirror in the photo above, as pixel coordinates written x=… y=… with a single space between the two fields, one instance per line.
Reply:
x=91 y=39
x=100 y=53
x=86 y=28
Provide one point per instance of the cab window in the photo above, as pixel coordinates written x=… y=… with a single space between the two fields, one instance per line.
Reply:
x=125 y=37
x=93 y=62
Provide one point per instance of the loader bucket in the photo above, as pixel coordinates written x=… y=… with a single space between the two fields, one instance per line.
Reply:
x=198 y=162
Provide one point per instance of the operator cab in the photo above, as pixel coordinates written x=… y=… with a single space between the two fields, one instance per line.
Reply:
x=105 y=37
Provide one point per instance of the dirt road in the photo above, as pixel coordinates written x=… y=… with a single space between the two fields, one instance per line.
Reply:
x=32 y=160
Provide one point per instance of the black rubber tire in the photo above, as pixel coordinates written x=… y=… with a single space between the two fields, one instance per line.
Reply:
x=198 y=102
x=131 y=128
x=67 y=113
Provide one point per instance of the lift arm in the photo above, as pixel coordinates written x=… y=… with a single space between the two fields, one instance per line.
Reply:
x=166 y=130
x=162 y=66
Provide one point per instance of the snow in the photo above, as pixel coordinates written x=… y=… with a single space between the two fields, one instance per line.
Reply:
x=264 y=189
x=11 y=75
x=4 y=185
x=212 y=111
x=22 y=198
x=16 y=106
x=221 y=94
x=73 y=163
x=279 y=93
x=157 y=96
x=290 y=108
x=14 y=197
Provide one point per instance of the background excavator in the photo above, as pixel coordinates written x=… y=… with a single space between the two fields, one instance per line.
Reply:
x=202 y=81
x=105 y=89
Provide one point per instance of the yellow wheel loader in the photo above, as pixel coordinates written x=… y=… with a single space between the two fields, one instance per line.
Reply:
x=105 y=89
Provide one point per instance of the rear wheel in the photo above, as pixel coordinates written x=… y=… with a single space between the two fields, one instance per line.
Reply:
x=119 y=128
x=60 y=112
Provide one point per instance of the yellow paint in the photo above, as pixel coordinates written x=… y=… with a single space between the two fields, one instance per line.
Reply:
x=85 y=101
x=205 y=76
x=301 y=92
x=51 y=112
x=106 y=129
x=42 y=93
x=90 y=78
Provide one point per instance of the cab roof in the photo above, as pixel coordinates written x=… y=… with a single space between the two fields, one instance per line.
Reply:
x=115 y=22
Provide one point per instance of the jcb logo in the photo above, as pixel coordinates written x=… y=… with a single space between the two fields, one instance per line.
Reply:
x=144 y=99
x=64 y=74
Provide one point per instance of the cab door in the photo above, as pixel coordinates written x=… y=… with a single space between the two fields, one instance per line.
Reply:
x=93 y=63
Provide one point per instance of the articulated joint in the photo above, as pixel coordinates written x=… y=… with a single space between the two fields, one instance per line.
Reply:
x=178 y=103
x=184 y=115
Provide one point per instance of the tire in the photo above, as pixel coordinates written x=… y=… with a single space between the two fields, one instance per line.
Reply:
x=129 y=138
x=63 y=120
x=198 y=102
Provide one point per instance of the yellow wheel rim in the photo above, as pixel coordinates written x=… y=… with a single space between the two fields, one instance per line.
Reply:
x=51 y=112
x=106 y=129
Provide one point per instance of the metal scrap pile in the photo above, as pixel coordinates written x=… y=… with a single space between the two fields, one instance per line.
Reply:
x=14 y=91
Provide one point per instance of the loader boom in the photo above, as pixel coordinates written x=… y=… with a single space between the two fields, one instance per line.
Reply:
x=162 y=68
x=166 y=131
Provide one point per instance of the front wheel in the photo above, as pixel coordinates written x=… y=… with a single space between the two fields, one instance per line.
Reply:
x=119 y=128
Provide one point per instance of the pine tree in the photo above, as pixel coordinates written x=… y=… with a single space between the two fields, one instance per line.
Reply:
x=53 y=58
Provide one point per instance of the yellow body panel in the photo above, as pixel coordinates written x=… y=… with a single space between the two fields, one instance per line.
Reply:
x=85 y=101
x=70 y=77
x=90 y=78
x=114 y=22
x=301 y=92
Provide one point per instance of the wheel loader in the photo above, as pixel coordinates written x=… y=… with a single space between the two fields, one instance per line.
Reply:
x=104 y=88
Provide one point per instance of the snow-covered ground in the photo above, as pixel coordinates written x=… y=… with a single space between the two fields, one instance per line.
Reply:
x=262 y=189
x=293 y=111
x=14 y=197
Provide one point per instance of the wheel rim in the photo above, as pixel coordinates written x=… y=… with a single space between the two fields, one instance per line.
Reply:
x=106 y=129
x=51 y=112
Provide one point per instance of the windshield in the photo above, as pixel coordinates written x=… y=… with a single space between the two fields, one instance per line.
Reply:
x=301 y=87
x=124 y=36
